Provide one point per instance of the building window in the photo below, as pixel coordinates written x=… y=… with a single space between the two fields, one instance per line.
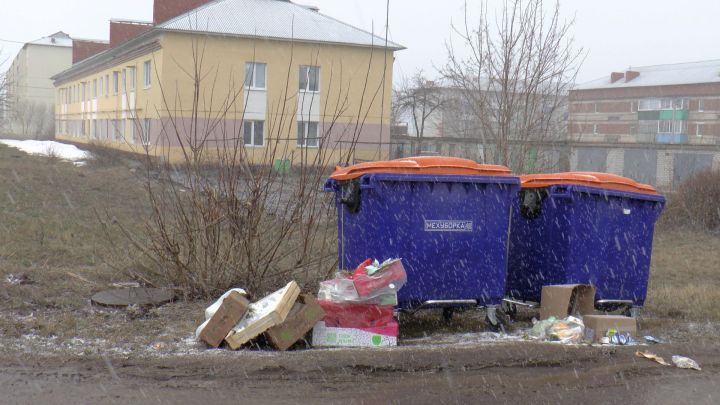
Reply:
x=84 y=94
x=595 y=129
x=107 y=85
x=309 y=78
x=699 y=130
x=701 y=105
x=633 y=106
x=131 y=125
x=100 y=91
x=253 y=133
x=307 y=134
x=596 y=107
x=130 y=78
x=116 y=76
x=94 y=89
x=146 y=132
x=147 y=74
x=255 y=74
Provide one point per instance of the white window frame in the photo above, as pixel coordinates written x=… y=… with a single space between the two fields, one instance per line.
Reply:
x=595 y=129
x=101 y=89
x=132 y=72
x=643 y=104
x=145 y=135
x=253 y=133
x=306 y=72
x=147 y=74
x=701 y=105
x=699 y=129
x=305 y=125
x=116 y=82
x=253 y=76
x=107 y=85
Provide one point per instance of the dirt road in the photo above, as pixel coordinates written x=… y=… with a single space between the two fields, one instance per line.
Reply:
x=499 y=373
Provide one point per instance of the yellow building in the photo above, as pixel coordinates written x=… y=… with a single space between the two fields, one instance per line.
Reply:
x=274 y=77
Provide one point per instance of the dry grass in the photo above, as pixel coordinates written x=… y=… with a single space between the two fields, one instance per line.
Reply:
x=51 y=237
x=685 y=275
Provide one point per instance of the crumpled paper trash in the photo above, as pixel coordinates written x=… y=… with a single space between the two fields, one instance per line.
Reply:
x=652 y=356
x=685 y=362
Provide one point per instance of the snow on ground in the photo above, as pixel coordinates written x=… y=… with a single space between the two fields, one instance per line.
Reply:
x=50 y=148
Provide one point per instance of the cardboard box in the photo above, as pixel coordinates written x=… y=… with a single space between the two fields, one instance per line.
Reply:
x=302 y=317
x=349 y=337
x=227 y=314
x=597 y=326
x=568 y=299
x=263 y=315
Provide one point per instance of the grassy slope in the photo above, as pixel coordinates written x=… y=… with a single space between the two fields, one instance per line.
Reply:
x=49 y=232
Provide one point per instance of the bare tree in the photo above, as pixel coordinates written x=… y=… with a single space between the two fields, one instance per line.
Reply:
x=35 y=119
x=4 y=98
x=418 y=98
x=223 y=213
x=515 y=81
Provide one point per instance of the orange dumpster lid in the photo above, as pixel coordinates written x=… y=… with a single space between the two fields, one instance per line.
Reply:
x=590 y=179
x=421 y=165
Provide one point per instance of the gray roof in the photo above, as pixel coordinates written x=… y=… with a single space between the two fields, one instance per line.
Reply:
x=662 y=75
x=274 y=19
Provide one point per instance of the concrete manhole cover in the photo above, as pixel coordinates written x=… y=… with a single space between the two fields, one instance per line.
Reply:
x=123 y=297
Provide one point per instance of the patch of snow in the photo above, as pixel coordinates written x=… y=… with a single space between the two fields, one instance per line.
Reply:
x=60 y=150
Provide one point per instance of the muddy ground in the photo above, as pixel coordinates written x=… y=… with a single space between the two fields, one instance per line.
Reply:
x=473 y=373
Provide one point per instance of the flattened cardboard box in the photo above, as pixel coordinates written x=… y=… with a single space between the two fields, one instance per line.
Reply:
x=228 y=314
x=302 y=317
x=566 y=299
x=263 y=315
x=597 y=326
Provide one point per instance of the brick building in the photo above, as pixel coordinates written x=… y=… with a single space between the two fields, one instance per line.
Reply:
x=656 y=124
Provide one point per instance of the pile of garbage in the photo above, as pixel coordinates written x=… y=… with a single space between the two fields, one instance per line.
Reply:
x=360 y=307
x=354 y=309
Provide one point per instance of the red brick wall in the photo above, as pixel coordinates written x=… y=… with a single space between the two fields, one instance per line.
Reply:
x=607 y=107
x=121 y=31
x=164 y=10
x=684 y=90
x=85 y=49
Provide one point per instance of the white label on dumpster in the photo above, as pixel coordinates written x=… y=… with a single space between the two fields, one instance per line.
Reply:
x=448 y=225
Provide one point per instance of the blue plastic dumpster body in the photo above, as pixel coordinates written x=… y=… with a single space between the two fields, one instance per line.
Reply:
x=450 y=231
x=583 y=235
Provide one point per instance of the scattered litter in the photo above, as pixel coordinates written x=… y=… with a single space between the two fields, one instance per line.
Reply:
x=159 y=346
x=263 y=315
x=568 y=330
x=652 y=356
x=62 y=151
x=124 y=297
x=360 y=307
x=651 y=340
x=685 y=362
x=18 y=279
x=304 y=315
x=126 y=284
x=567 y=299
x=225 y=314
x=619 y=330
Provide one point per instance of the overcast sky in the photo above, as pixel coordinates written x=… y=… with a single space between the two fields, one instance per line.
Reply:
x=615 y=34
